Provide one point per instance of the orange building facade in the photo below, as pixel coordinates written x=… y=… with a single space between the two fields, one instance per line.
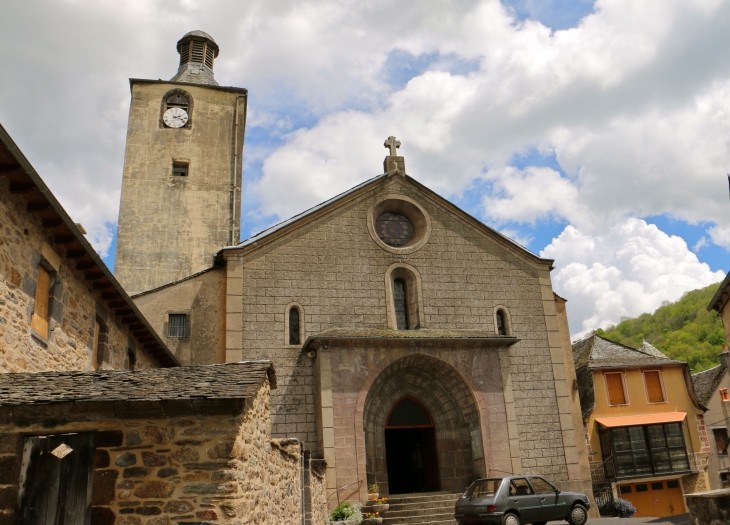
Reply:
x=645 y=429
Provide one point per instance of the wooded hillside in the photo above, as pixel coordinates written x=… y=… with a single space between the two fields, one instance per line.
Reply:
x=683 y=330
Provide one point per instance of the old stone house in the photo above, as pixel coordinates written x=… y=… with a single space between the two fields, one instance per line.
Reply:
x=415 y=346
x=156 y=446
x=60 y=306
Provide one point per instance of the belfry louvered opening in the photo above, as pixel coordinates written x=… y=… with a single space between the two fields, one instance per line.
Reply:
x=199 y=52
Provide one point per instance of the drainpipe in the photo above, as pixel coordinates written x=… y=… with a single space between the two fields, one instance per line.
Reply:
x=232 y=241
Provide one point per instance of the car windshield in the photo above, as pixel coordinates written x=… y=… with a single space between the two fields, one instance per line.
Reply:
x=484 y=488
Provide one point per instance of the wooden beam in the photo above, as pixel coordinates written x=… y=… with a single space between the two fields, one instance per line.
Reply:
x=101 y=286
x=52 y=223
x=6 y=169
x=64 y=239
x=37 y=206
x=21 y=187
x=108 y=296
x=124 y=311
x=93 y=276
x=75 y=254
x=85 y=265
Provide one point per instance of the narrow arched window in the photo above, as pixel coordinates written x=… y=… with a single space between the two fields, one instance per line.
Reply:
x=400 y=304
x=501 y=323
x=294 y=338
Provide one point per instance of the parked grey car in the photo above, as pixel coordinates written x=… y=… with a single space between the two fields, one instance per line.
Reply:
x=519 y=499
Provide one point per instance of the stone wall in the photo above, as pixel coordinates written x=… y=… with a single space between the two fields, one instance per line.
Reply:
x=709 y=508
x=202 y=299
x=73 y=307
x=334 y=269
x=222 y=469
x=170 y=226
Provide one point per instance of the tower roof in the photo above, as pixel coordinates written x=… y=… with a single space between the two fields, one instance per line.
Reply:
x=197 y=51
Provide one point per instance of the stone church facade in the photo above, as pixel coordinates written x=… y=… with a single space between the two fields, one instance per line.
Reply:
x=415 y=347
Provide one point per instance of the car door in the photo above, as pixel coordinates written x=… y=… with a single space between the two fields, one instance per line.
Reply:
x=524 y=499
x=553 y=506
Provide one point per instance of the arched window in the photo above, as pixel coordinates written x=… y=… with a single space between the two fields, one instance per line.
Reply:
x=501 y=324
x=403 y=297
x=400 y=304
x=294 y=338
x=502 y=321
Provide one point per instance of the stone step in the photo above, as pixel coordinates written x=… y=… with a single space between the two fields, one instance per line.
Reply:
x=419 y=497
x=421 y=511
x=420 y=520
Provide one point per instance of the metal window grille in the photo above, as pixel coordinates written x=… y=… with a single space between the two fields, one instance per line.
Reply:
x=178 y=325
x=400 y=304
x=179 y=169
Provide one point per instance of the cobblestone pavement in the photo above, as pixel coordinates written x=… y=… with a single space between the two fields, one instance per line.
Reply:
x=681 y=519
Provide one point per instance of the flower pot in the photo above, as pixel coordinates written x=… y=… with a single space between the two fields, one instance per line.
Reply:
x=380 y=507
x=373 y=496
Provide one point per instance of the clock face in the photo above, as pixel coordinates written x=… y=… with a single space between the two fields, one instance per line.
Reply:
x=175 y=117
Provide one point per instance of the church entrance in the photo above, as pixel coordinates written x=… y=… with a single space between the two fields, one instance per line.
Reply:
x=418 y=419
x=410 y=448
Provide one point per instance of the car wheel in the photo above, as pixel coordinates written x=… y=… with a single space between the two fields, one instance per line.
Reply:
x=510 y=519
x=578 y=515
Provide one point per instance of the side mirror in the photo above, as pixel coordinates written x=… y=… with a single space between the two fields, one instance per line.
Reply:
x=557 y=491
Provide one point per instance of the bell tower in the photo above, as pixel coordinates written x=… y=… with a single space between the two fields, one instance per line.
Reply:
x=181 y=185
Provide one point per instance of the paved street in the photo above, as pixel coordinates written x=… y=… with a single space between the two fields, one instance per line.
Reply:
x=682 y=519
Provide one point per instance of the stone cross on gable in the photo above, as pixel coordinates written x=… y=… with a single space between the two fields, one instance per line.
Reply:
x=392 y=144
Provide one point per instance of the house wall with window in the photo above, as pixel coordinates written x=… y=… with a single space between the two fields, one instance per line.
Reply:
x=669 y=452
x=189 y=315
x=713 y=389
x=60 y=308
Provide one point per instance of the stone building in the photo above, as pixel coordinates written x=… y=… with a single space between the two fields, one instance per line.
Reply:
x=156 y=446
x=400 y=326
x=181 y=186
x=60 y=306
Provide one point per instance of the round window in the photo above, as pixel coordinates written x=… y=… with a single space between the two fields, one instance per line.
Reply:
x=398 y=224
x=394 y=229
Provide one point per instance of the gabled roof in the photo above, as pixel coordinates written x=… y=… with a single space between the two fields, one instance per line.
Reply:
x=595 y=352
x=296 y=220
x=222 y=381
x=25 y=181
x=719 y=300
x=706 y=382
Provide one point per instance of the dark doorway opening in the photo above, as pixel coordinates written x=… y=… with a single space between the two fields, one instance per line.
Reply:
x=410 y=449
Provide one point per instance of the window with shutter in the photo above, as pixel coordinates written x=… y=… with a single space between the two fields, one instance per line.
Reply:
x=721 y=440
x=39 y=321
x=654 y=390
x=615 y=388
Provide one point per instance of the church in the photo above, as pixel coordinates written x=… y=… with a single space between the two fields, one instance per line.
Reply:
x=415 y=347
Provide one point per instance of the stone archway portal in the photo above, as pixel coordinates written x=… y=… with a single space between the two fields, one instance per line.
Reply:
x=410 y=448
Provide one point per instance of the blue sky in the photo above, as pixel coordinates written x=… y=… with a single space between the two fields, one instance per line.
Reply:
x=593 y=133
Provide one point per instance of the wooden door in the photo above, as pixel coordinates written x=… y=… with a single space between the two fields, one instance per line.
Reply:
x=57 y=479
x=654 y=499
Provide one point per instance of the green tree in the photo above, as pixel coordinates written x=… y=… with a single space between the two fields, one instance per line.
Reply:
x=683 y=330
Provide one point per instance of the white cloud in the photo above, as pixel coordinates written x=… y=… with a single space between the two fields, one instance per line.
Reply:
x=627 y=271
x=700 y=244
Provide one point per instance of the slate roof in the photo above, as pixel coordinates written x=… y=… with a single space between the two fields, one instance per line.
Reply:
x=706 y=382
x=423 y=334
x=225 y=381
x=595 y=352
